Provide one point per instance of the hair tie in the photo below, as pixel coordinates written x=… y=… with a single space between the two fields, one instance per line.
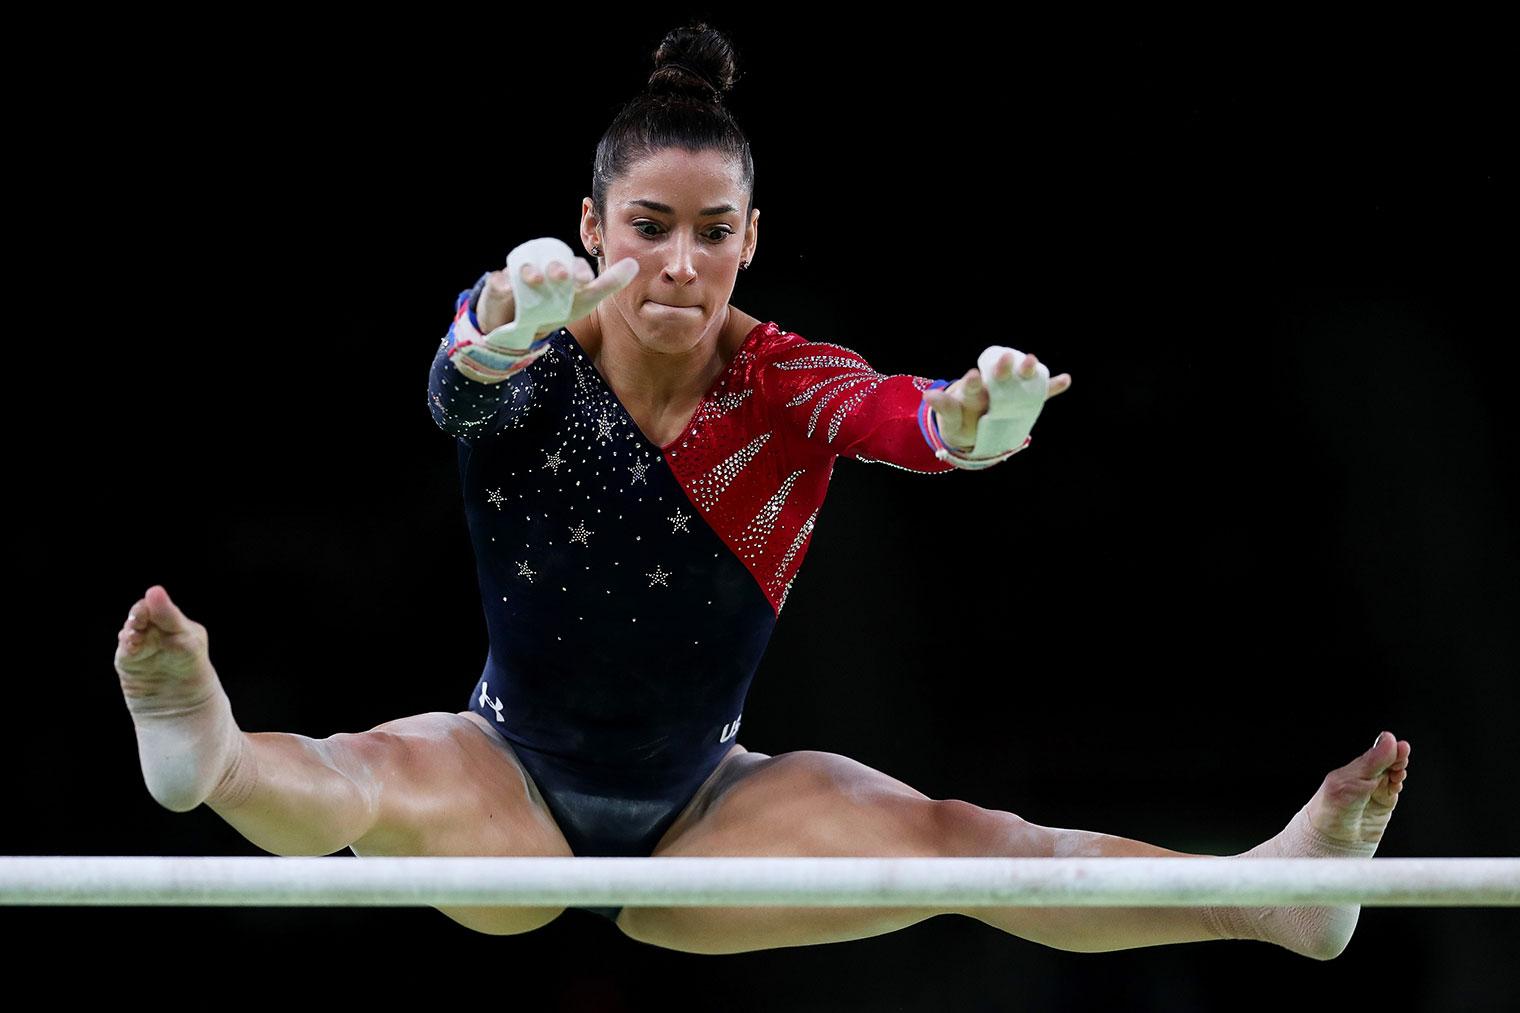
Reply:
x=701 y=77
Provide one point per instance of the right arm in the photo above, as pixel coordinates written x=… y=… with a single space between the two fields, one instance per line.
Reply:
x=480 y=384
x=467 y=401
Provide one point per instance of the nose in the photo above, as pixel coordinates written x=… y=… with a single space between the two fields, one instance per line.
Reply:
x=679 y=267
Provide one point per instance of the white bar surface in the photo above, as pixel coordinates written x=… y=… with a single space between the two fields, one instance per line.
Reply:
x=272 y=881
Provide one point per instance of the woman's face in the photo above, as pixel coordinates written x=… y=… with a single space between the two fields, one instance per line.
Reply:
x=680 y=214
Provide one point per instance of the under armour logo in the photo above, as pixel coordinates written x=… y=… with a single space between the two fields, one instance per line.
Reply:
x=730 y=730
x=486 y=701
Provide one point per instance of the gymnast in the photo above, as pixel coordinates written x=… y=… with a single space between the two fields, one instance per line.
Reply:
x=642 y=464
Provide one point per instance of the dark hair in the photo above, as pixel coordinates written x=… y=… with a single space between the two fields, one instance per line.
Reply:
x=681 y=107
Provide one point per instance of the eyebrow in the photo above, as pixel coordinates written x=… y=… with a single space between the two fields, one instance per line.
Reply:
x=666 y=209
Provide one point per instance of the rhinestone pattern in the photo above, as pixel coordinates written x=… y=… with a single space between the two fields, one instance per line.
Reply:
x=629 y=589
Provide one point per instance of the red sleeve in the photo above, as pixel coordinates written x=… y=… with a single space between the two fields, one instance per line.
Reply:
x=828 y=396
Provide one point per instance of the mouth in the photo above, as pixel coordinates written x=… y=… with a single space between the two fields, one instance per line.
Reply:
x=672 y=308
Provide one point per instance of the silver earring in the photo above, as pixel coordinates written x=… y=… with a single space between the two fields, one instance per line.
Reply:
x=596 y=251
x=743 y=265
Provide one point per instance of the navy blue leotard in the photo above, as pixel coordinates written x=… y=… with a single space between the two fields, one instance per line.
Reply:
x=630 y=589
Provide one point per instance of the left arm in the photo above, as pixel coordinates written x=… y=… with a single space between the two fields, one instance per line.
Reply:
x=830 y=395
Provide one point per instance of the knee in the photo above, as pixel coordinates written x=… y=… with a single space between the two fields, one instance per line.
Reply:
x=503 y=921
x=671 y=928
x=965 y=830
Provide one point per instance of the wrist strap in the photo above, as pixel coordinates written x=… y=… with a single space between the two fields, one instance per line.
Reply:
x=928 y=425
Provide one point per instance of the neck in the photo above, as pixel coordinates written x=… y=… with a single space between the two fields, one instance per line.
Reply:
x=656 y=379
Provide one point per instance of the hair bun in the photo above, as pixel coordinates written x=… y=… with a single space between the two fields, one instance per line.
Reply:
x=695 y=59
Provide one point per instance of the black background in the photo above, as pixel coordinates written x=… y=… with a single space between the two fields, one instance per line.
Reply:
x=1274 y=515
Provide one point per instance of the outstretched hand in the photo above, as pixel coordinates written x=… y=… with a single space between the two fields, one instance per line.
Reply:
x=497 y=306
x=961 y=405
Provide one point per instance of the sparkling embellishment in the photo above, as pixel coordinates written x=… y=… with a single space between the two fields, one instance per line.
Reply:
x=815 y=388
x=580 y=534
x=604 y=428
x=657 y=577
x=523 y=570
x=849 y=405
x=791 y=551
x=495 y=498
x=835 y=344
x=712 y=485
x=863 y=459
x=815 y=361
x=716 y=408
x=553 y=461
x=638 y=468
x=679 y=520
x=760 y=526
x=818 y=406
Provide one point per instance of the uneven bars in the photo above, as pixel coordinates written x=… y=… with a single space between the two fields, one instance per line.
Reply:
x=272 y=881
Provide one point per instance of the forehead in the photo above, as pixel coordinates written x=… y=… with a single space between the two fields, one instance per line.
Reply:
x=687 y=181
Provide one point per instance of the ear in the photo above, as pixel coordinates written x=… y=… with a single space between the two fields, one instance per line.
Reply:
x=591 y=228
x=752 y=235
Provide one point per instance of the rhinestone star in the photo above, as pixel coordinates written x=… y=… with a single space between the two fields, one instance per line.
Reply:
x=679 y=520
x=523 y=570
x=495 y=498
x=657 y=577
x=581 y=534
x=553 y=461
x=638 y=468
x=604 y=428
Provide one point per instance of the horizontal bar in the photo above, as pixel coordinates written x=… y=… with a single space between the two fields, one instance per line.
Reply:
x=270 y=881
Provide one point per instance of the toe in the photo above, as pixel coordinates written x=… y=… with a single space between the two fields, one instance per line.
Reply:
x=1369 y=767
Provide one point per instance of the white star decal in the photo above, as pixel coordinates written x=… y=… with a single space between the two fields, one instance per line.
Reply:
x=523 y=570
x=495 y=498
x=638 y=468
x=553 y=461
x=679 y=520
x=579 y=533
x=604 y=428
x=657 y=577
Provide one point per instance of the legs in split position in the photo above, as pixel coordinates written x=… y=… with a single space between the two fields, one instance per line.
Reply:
x=430 y=784
x=447 y=784
x=818 y=803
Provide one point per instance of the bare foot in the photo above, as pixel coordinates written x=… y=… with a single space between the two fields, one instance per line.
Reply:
x=1345 y=819
x=1355 y=802
x=189 y=745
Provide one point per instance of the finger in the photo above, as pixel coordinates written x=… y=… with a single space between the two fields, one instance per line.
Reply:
x=610 y=280
x=1004 y=368
x=1058 y=384
x=1027 y=369
x=946 y=408
x=976 y=394
x=584 y=275
x=531 y=275
x=557 y=270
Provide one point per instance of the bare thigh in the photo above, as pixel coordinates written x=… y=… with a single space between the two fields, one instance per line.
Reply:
x=453 y=786
x=800 y=803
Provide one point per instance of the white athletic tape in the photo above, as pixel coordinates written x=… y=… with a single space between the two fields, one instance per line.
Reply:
x=539 y=307
x=1012 y=404
x=491 y=358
